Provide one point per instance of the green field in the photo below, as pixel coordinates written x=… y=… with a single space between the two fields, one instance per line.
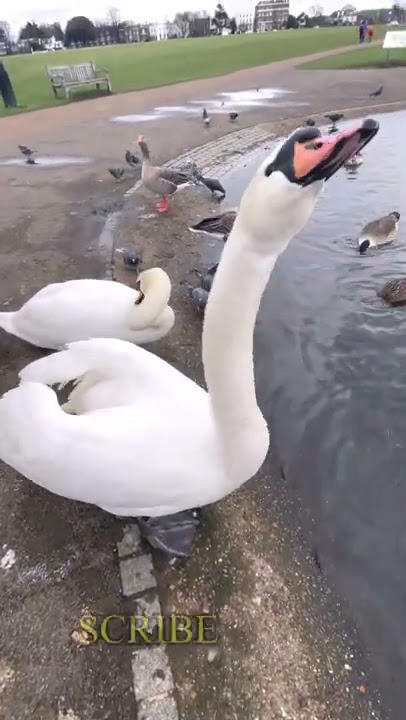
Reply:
x=366 y=58
x=146 y=65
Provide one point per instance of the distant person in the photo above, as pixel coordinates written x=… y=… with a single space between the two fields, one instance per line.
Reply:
x=361 y=31
x=370 y=33
x=6 y=88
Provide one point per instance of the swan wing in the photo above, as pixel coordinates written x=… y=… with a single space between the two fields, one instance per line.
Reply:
x=110 y=358
x=152 y=459
x=75 y=310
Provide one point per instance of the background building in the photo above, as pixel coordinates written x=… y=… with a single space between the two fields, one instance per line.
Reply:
x=271 y=15
x=245 y=21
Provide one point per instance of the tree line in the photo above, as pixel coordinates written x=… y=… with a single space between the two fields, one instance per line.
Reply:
x=80 y=30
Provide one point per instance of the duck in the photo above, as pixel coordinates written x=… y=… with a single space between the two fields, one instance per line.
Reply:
x=218 y=225
x=394 y=292
x=159 y=180
x=80 y=309
x=354 y=162
x=379 y=232
x=149 y=442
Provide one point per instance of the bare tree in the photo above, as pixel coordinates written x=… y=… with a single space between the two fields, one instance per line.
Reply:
x=5 y=32
x=113 y=16
x=316 y=10
x=182 y=21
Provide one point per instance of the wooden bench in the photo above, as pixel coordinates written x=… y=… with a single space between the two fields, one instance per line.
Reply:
x=66 y=77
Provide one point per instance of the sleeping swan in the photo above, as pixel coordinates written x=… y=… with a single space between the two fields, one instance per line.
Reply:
x=167 y=446
x=80 y=309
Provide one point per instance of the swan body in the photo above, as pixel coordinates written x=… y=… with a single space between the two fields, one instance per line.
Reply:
x=148 y=440
x=80 y=309
x=379 y=232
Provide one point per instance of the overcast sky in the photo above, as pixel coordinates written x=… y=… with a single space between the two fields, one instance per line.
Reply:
x=155 y=10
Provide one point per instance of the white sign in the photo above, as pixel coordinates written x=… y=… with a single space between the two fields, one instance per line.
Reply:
x=395 y=39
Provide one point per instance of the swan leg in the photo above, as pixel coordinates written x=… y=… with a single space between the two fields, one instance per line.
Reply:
x=173 y=534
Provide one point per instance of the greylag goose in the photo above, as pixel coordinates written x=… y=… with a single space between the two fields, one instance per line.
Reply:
x=159 y=180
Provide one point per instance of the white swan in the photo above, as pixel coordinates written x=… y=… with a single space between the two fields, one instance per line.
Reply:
x=80 y=309
x=169 y=446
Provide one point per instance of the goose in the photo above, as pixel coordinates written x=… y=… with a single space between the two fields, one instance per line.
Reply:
x=159 y=180
x=354 y=161
x=394 y=292
x=219 y=225
x=156 y=446
x=80 y=309
x=379 y=232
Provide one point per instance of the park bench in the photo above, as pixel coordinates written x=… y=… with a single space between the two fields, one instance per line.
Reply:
x=66 y=77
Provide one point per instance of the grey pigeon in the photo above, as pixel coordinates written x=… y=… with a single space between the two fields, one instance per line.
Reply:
x=30 y=161
x=233 y=116
x=205 y=116
x=310 y=122
x=334 y=117
x=376 y=92
x=131 y=258
x=117 y=173
x=26 y=150
x=212 y=184
x=131 y=159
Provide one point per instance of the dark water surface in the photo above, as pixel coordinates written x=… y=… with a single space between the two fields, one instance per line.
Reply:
x=331 y=379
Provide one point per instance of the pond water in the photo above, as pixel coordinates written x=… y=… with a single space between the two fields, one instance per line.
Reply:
x=331 y=379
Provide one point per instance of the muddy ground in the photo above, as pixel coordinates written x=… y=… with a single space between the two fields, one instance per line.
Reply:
x=279 y=656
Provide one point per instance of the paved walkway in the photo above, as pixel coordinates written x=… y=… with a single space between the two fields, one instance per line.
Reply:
x=65 y=554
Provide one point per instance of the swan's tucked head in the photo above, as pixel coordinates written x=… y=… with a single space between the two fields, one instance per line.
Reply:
x=155 y=284
x=281 y=196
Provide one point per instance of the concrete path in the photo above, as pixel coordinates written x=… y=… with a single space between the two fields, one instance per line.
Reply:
x=59 y=559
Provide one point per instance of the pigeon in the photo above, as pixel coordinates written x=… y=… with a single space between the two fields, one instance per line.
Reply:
x=199 y=297
x=131 y=258
x=26 y=150
x=310 y=122
x=117 y=173
x=212 y=184
x=233 y=116
x=334 y=117
x=376 y=92
x=206 y=281
x=131 y=159
x=206 y=118
x=30 y=161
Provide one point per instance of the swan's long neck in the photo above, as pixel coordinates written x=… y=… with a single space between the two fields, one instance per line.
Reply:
x=227 y=352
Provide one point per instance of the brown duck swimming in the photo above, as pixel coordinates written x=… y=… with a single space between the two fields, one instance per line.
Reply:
x=159 y=180
x=219 y=225
x=394 y=292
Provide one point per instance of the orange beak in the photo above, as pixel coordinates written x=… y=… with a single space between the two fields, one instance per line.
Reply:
x=324 y=155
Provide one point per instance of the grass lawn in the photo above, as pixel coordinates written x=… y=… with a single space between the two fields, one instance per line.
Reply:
x=146 y=65
x=366 y=58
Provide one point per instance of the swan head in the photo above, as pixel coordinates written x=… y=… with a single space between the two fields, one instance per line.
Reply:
x=155 y=284
x=282 y=194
